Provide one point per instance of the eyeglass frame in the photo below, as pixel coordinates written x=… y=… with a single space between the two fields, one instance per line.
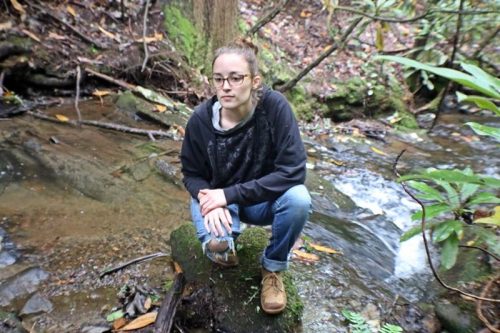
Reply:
x=227 y=79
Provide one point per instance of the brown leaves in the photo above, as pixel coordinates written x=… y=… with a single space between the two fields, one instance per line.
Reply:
x=17 y=6
x=140 y=322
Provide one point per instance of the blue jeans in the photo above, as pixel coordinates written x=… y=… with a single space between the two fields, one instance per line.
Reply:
x=287 y=215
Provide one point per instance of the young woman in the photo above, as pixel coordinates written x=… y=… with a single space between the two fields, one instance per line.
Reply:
x=243 y=160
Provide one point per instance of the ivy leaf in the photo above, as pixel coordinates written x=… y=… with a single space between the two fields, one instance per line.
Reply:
x=449 y=252
x=432 y=211
x=484 y=198
x=485 y=130
x=427 y=192
x=446 y=229
x=417 y=230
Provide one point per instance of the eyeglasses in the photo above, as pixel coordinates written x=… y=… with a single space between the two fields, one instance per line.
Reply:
x=233 y=80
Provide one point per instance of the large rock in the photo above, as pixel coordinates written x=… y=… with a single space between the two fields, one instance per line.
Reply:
x=36 y=304
x=21 y=284
x=229 y=299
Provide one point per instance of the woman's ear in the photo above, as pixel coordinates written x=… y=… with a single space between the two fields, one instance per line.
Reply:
x=256 y=81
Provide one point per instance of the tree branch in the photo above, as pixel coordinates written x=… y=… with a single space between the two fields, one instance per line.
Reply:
x=479 y=305
x=416 y=18
x=456 y=37
x=111 y=126
x=267 y=18
x=290 y=84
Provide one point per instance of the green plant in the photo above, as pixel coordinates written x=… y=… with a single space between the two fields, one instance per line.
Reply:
x=476 y=79
x=452 y=197
x=358 y=324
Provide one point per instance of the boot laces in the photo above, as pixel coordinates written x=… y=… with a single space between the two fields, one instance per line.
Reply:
x=274 y=283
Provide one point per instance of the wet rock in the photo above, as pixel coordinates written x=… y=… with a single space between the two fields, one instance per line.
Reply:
x=21 y=284
x=456 y=320
x=140 y=171
x=9 y=323
x=229 y=299
x=6 y=259
x=8 y=255
x=99 y=327
x=36 y=304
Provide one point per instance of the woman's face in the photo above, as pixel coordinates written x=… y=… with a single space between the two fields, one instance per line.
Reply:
x=234 y=90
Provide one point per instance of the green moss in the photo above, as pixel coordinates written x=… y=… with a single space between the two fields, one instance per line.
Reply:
x=185 y=37
x=236 y=291
x=303 y=105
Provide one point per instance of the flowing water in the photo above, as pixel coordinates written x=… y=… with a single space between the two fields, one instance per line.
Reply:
x=75 y=201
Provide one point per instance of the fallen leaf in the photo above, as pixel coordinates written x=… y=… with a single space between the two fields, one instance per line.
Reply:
x=336 y=162
x=17 y=6
x=180 y=129
x=60 y=117
x=160 y=108
x=177 y=267
x=378 y=151
x=325 y=249
x=157 y=37
x=148 y=303
x=101 y=93
x=31 y=35
x=71 y=10
x=141 y=321
x=310 y=257
x=493 y=219
x=119 y=323
x=305 y=13
x=107 y=33
x=115 y=315
x=53 y=35
x=5 y=25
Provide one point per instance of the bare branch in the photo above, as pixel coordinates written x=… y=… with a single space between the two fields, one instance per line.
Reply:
x=144 y=33
x=479 y=305
x=77 y=97
x=290 y=84
x=267 y=18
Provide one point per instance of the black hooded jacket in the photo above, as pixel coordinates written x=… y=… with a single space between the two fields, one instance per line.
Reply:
x=255 y=163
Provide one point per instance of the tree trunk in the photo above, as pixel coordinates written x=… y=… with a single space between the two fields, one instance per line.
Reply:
x=216 y=22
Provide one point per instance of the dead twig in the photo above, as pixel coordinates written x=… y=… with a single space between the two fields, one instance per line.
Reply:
x=131 y=262
x=144 y=33
x=111 y=126
x=424 y=236
x=480 y=248
x=77 y=97
x=105 y=77
x=290 y=84
x=267 y=18
x=479 y=305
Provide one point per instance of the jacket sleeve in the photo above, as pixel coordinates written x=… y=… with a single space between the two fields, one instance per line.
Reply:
x=194 y=169
x=289 y=164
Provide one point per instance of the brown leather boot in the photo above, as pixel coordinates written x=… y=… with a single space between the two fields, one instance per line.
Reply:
x=273 y=295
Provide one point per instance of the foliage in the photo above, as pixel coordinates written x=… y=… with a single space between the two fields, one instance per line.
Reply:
x=358 y=324
x=477 y=80
x=451 y=197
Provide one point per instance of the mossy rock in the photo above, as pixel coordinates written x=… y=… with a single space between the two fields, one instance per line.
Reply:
x=230 y=297
x=457 y=320
x=131 y=105
x=317 y=184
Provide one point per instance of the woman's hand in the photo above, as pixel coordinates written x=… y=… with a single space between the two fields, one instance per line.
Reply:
x=211 y=199
x=216 y=219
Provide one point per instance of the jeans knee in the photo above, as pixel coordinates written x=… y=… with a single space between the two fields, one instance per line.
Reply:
x=297 y=199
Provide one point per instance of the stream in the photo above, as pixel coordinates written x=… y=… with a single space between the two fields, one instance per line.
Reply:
x=75 y=201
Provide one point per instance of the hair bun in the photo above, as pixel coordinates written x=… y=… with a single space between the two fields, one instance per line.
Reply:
x=246 y=43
